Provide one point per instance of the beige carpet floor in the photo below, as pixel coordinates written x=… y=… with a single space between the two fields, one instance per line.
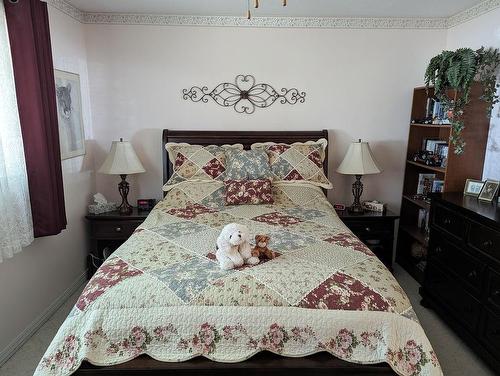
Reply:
x=455 y=357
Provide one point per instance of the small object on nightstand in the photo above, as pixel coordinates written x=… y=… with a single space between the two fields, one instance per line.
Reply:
x=146 y=204
x=122 y=160
x=340 y=207
x=358 y=161
x=374 y=206
x=101 y=205
x=375 y=230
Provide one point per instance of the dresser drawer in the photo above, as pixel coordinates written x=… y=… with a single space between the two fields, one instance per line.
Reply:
x=494 y=289
x=464 y=307
x=485 y=239
x=469 y=269
x=449 y=221
x=113 y=230
x=490 y=332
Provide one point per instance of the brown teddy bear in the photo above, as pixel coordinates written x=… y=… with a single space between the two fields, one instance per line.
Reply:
x=260 y=249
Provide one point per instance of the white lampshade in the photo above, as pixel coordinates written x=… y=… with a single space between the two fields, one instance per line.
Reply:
x=121 y=160
x=359 y=160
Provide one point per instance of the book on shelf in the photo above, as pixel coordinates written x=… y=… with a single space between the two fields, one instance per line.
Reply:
x=424 y=186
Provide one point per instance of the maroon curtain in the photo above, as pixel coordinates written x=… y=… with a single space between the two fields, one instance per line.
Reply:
x=28 y=25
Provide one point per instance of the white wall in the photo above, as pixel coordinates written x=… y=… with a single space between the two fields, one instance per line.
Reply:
x=36 y=277
x=358 y=83
x=482 y=31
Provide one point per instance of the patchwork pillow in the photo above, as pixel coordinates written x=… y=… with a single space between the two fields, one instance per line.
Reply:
x=247 y=164
x=248 y=192
x=197 y=163
x=298 y=162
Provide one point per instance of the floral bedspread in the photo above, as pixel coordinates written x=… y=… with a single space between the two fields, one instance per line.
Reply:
x=162 y=292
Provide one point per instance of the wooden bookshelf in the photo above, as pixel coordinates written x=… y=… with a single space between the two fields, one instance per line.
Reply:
x=468 y=165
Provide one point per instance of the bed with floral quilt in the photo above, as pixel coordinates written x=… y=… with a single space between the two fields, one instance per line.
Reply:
x=163 y=294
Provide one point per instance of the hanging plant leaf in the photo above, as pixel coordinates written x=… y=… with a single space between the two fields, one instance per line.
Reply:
x=457 y=70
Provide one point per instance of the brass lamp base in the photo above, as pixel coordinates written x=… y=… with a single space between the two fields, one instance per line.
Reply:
x=123 y=187
x=357 y=190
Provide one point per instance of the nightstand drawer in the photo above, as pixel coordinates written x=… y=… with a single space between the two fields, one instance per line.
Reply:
x=113 y=229
x=366 y=229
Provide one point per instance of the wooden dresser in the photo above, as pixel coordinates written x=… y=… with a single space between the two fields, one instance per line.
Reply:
x=462 y=278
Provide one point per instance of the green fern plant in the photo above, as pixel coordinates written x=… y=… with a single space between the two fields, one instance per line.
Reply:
x=456 y=71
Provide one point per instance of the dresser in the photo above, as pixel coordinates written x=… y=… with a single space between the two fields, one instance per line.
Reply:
x=462 y=278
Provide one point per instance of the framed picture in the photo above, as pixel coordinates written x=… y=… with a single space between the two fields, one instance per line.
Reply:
x=489 y=190
x=69 y=114
x=473 y=187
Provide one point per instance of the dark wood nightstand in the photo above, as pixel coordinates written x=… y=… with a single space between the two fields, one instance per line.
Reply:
x=374 y=229
x=108 y=231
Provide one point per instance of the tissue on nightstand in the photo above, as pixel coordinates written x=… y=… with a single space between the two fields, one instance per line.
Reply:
x=101 y=205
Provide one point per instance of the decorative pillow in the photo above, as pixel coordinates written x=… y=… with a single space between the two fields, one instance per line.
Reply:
x=298 y=162
x=197 y=163
x=247 y=165
x=241 y=192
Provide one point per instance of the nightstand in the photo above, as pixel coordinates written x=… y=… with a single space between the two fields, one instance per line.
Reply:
x=108 y=231
x=374 y=229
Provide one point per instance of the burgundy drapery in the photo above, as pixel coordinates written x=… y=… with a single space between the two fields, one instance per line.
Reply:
x=28 y=26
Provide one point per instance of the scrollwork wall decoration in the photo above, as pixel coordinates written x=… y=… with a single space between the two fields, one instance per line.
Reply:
x=244 y=95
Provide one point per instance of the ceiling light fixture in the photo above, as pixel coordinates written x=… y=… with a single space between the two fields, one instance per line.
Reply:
x=256 y=5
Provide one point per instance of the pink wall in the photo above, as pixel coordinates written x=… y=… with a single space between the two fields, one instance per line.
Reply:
x=358 y=84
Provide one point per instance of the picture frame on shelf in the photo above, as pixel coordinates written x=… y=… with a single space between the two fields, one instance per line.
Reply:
x=489 y=191
x=473 y=187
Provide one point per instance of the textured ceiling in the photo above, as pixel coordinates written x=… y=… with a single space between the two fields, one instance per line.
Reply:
x=295 y=8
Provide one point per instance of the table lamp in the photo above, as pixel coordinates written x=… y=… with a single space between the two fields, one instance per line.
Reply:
x=122 y=161
x=358 y=161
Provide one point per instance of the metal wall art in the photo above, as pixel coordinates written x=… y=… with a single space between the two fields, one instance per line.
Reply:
x=244 y=95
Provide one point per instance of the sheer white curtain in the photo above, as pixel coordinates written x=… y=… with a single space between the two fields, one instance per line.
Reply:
x=16 y=226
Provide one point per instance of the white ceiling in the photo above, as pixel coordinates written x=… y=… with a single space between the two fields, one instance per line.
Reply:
x=295 y=8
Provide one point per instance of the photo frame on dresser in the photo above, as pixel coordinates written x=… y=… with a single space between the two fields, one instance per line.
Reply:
x=489 y=191
x=473 y=187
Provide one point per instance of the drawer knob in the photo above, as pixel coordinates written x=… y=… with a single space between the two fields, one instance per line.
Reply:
x=438 y=249
x=118 y=229
x=447 y=221
x=472 y=274
x=368 y=229
x=487 y=244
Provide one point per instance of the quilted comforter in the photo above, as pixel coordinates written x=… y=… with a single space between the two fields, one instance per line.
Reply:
x=162 y=292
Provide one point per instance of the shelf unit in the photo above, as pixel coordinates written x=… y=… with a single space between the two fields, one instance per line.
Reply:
x=469 y=165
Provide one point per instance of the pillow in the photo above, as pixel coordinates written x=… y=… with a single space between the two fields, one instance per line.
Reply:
x=250 y=192
x=197 y=163
x=298 y=162
x=247 y=165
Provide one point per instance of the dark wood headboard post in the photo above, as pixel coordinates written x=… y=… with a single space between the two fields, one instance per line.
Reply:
x=247 y=138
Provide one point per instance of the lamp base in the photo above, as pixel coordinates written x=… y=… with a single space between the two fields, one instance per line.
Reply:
x=357 y=190
x=123 y=187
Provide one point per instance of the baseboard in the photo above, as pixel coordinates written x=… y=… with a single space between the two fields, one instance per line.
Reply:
x=36 y=324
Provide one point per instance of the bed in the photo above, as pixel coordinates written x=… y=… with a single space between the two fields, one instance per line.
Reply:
x=160 y=304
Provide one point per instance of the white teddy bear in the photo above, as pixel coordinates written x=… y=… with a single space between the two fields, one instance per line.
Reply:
x=233 y=247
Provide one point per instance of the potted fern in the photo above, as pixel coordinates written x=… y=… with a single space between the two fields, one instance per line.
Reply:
x=454 y=72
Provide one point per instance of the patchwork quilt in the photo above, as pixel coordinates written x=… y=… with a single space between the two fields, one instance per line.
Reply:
x=162 y=292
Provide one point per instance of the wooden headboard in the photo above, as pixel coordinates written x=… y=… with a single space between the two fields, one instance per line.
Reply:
x=246 y=138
